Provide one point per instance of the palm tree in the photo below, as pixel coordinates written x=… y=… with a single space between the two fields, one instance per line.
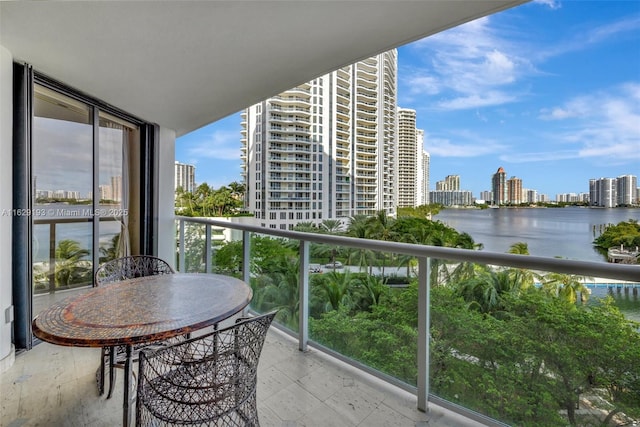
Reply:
x=331 y=226
x=307 y=226
x=486 y=289
x=524 y=278
x=374 y=289
x=380 y=227
x=67 y=269
x=566 y=286
x=110 y=251
x=279 y=290
x=203 y=199
x=222 y=201
x=519 y=248
x=237 y=190
x=336 y=288
x=359 y=227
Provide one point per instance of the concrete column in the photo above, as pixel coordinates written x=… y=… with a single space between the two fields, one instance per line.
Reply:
x=166 y=216
x=7 y=350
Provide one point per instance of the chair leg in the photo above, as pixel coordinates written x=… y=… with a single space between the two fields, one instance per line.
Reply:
x=112 y=370
x=100 y=373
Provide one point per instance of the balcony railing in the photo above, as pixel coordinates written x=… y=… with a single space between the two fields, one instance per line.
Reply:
x=419 y=364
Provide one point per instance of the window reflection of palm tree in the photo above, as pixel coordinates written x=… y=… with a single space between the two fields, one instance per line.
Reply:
x=68 y=267
x=110 y=251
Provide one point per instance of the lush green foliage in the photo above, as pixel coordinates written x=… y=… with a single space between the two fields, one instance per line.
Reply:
x=206 y=201
x=625 y=233
x=501 y=346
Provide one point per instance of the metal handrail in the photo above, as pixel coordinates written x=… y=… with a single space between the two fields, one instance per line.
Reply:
x=531 y=262
x=423 y=254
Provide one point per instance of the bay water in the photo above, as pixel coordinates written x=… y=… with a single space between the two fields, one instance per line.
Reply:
x=549 y=232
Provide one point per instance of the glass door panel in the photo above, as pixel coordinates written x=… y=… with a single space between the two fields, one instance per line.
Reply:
x=114 y=138
x=62 y=198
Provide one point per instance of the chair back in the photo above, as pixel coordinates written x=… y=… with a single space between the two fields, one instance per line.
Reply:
x=130 y=267
x=208 y=380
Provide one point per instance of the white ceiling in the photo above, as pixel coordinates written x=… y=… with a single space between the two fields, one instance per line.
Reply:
x=185 y=64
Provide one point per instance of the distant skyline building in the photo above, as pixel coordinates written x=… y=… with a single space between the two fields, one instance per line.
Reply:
x=451 y=197
x=568 y=198
x=531 y=196
x=499 y=187
x=409 y=153
x=603 y=192
x=449 y=183
x=185 y=177
x=326 y=149
x=514 y=190
x=612 y=192
x=116 y=188
x=423 y=172
x=626 y=189
x=486 y=196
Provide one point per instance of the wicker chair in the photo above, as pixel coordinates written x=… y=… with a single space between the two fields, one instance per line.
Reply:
x=209 y=380
x=115 y=270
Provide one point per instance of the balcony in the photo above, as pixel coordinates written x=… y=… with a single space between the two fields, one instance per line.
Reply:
x=325 y=382
x=416 y=364
x=295 y=388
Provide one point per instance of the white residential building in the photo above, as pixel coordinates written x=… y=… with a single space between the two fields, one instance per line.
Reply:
x=602 y=192
x=408 y=158
x=626 y=186
x=326 y=149
x=423 y=170
x=185 y=177
x=451 y=197
x=449 y=183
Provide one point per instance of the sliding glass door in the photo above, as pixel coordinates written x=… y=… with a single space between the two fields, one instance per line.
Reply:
x=80 y=192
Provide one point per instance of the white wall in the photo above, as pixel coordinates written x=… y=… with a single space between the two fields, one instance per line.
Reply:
x=7 y=352
x=166 y=217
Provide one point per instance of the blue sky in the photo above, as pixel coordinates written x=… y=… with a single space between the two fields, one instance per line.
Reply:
x=549 y=90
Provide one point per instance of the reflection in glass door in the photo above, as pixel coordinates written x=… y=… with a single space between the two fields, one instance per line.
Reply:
x=79 y=174
x=115 y=140
x=62 y=195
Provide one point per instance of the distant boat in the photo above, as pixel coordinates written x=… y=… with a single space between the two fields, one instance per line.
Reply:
x=494 y=207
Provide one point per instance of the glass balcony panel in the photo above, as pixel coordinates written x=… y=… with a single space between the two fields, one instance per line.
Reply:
x=512 y=344
x=194 y=249
x=274 y=272
x=350 y=308
x=61 y=259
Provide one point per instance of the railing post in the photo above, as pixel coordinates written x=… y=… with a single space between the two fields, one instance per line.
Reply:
x=424 y=269
x=303 y=310
x=246 y=256
x=52 y=257
x=182 y=262
x=207 y=248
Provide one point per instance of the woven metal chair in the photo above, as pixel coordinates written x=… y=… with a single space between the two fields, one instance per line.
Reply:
x=115 y=270
x=209 y=380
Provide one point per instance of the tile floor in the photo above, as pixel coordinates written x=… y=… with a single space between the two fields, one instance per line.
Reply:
x=55 y=386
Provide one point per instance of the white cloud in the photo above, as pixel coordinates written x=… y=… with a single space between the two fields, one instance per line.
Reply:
x=552 y=4
x=586 y=37
x=473 y=65
x=221 y=144
x=543 y=156
x=428 y=85
x=603 y=124
x=470 y=146
x=476 y=100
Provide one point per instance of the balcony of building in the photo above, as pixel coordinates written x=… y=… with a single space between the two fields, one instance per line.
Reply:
x=55 y=386
x=423 y=355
